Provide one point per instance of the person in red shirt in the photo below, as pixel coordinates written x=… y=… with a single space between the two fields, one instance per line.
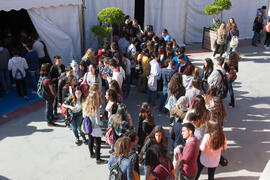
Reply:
x=104 y=51
x=187 y=157
x=50 y=93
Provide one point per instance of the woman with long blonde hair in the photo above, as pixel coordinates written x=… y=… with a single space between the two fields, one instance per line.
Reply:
x=89 y=57
x=91 y=109
x=221 y=39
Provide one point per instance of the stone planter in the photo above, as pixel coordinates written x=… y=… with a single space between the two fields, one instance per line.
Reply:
x=209 y=38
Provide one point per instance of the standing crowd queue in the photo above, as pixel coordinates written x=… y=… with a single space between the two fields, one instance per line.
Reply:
x=193 y=99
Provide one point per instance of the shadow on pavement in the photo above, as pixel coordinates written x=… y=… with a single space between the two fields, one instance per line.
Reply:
x=23 y=127
x=4 y=178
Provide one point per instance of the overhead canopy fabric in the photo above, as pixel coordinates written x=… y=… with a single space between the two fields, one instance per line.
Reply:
x=59 y=29
x=185 y=19
x=56 y=22
x=93 y=7
x=8 y=5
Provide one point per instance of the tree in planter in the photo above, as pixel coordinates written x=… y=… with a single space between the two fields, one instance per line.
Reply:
x=217 y=8
x=107 y=17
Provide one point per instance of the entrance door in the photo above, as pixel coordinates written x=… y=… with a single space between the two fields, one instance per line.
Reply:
x=139 y=12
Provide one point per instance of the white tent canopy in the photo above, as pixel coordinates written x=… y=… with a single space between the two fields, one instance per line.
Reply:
x=185 y=19
x=8 y=5
x=56 y=22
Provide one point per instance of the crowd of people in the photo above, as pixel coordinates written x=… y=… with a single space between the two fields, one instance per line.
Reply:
x=91 y=96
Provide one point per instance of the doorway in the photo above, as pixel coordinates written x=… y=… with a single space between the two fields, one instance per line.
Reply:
x=13 y=25
x=139 y=12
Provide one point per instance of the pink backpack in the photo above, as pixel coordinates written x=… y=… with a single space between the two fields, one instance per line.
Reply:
x=267 y=28
x=110 y=137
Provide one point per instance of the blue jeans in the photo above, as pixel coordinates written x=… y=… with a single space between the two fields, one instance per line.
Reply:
x=5 y=80
x=76 y=122
x=34 y=75
x=152 y=95
x=145 y=171
x=49 y=110
x=229 y=48
x=255 y=37
x=230 y=88
x=163 y=98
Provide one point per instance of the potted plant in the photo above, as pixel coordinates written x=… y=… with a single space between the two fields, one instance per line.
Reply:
x=107 y=18
x=210 y=33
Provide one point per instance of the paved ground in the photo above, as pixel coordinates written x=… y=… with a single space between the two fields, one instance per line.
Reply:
x=30 y=150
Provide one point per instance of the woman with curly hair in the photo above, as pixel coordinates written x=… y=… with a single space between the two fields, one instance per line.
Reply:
x=218 y=110
x=214 y=141
x=175 y=90
x=202 y=114
x=146 y=123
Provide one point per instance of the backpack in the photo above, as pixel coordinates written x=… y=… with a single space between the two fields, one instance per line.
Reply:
x=18 y=75
x=234 y=42
x=170 y=175
x=223 y=86
x=110 y=136
x=86 y=126
x=116 y=173
x=84 y=87
x=41 y=92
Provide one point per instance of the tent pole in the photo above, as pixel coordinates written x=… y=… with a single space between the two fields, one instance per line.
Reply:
x=82 y=29
x=185 y=22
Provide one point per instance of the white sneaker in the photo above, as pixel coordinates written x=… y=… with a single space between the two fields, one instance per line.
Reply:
x=267 y=48
x=264 y=46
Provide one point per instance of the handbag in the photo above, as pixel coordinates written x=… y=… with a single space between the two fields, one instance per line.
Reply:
x=223 y=161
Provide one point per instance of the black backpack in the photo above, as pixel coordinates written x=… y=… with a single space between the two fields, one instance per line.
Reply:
x=223 y=86
x=116 y=173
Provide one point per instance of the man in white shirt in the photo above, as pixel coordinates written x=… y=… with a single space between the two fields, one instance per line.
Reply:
x=131 y=51
x=152 y=79
x=117 y=73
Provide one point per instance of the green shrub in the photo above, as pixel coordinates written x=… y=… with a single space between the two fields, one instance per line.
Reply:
x=111 y=15
x=225 y=4
x=212 y=9
x=101 y=31
x=218 y=6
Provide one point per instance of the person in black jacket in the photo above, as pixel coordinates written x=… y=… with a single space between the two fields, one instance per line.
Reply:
x=56 y=71
x=257 y=28
x=61 y=83
x=146 y=123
